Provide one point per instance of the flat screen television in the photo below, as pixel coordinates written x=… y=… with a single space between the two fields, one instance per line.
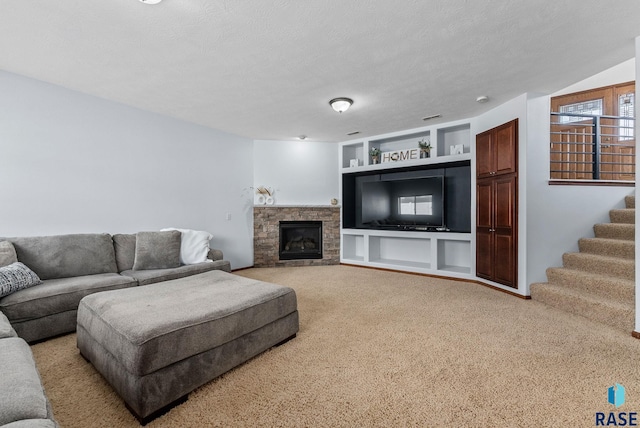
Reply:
x=412 y=203
x=425 y=199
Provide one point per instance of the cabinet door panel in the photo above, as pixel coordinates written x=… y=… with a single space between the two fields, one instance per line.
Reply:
x=506 y=148
x=484 y=196
x=484 y=154
x=504 y=262
x=484 y=254
x=505 y=200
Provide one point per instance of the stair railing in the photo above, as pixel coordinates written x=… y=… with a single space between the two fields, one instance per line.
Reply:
x=592 y=147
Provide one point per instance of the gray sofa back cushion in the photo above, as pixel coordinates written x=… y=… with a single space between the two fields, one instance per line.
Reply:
x=5 y=327
x=64 y=256
x=7 y=253
x=157 y=250
x=125 y=248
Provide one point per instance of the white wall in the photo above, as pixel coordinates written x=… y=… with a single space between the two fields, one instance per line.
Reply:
x=300 y=172
x=621 y=73
x=72 y=163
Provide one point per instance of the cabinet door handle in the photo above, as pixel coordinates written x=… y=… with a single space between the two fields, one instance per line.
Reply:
x=492 y=230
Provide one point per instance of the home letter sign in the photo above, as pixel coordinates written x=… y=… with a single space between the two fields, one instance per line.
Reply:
x=400 y=155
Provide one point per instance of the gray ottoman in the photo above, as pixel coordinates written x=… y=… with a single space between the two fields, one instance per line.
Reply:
x=156 y=343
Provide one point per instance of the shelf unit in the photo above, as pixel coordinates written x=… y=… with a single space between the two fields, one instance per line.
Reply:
x=439 y=253
x=442 y=140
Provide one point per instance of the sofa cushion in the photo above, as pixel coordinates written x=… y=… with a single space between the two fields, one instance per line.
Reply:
x=194 y=245
x=21 y=392
x=157 y=250
x=32 y=423
x=146 y=277
x=6 y=330
x=59 y=295
x=7 y=253
x=64 y=256
x=125 y=248
x=16 y=277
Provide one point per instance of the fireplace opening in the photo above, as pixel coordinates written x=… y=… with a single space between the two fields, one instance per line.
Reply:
x=300 y=240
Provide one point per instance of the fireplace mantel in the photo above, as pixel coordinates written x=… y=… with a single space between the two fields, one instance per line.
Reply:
x=266 y=242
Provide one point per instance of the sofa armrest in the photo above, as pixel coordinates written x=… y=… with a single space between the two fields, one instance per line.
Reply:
x=215 y=254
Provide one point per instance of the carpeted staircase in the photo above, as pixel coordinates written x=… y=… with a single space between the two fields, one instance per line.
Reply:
x=599 y=281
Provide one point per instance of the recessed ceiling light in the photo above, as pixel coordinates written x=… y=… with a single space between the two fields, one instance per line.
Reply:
x=302 y=137
x=482 y=99
x=433 y=116
x=341 y=104
x=150 y=1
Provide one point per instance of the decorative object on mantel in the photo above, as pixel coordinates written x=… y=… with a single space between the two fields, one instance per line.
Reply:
x=425 y=148
x=353 y=163
x=334 y=201
x=265 y=195
x=375 y=155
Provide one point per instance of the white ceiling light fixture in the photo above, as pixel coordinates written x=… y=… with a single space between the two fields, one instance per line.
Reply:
x=482 y=99
x=341 y=104
x=150 y=1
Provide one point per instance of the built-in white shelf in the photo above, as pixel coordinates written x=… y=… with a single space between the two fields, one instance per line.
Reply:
x=353 y=247
x=355 y=152
x=440 y=253
x=449 y=142
x=406 y=251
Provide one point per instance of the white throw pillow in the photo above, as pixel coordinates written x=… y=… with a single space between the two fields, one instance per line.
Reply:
x=194 y=246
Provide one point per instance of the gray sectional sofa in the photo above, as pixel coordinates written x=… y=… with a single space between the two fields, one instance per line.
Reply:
x=70 y=267
x=23 y=402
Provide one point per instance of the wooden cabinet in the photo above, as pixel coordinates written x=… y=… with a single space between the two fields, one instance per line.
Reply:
x=497 y=205
x=496 y=150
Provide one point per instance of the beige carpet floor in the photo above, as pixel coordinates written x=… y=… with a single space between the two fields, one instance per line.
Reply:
x=387 y=349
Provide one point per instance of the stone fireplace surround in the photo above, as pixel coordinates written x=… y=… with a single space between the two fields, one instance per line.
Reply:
x=266 y=242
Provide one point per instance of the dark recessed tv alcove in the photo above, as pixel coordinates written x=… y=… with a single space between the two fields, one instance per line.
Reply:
x=420 y=198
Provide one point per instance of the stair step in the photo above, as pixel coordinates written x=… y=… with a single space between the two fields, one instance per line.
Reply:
x=616 y=289
x=625 y=215
x=615 y=231
x=598 y=309
x=630 y=201
x=608 y=247
x=602 y=265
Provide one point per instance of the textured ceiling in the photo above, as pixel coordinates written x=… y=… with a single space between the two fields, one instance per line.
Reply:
x=267 y=69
